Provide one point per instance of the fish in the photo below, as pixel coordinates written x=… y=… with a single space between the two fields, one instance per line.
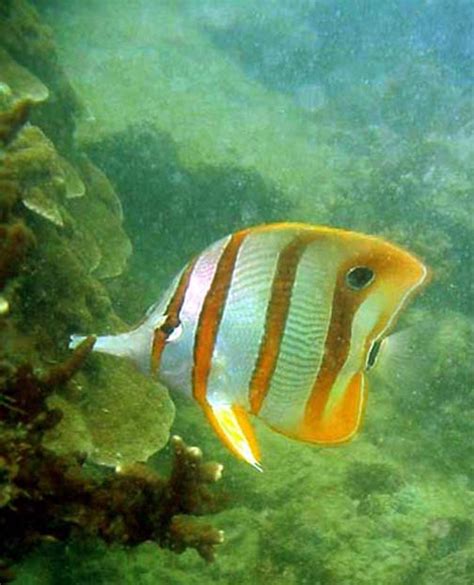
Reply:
x=279 y=321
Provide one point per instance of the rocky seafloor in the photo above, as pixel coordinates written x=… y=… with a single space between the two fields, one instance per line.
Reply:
x=108 y=183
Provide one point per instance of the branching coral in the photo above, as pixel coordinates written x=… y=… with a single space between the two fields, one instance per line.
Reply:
x=136 y=505
x=45 y=493
x=45 y=496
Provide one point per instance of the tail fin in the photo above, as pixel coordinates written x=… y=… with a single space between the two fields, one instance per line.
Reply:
x=134 y=345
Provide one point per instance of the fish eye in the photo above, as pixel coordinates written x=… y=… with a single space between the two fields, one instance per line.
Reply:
x=359 y=277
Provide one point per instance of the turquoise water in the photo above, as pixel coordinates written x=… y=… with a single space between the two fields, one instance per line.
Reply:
x=207 y=117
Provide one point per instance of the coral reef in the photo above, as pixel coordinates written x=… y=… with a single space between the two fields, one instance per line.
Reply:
x=52 y=188
x=18 y=83
x=67 y=217
x=30 y=43
x=61 y=237
x=14 y=241
x=12 y=120
x=45 y=496
x=15 y=237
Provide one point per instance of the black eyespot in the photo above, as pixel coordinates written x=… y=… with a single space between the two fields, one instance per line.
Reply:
x=359 y=277
x=168 y=328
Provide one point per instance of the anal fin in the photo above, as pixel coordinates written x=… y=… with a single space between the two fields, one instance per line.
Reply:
x=340 y=418
x=233 y=427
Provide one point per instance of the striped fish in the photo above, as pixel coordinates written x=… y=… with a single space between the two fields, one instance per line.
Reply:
x=278 y=321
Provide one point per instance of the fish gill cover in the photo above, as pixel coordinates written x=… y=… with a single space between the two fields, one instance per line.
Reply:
x=151 y=129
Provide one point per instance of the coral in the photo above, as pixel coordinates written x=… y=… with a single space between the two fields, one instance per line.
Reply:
x=15 y=237
x=52 y=188
x=40 y=173
x=45 y=496
x=12 y=120
x=9 y=196
x=165 y=508
x=113 y=413
x=100 y=215
x=15 y=240
x=73 y=182
x=30 y=43
x=125 y=418
x=18 y=82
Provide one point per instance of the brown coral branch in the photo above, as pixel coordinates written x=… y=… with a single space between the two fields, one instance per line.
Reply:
x=187 y=489
x=62 y=373
x=23 y=393
x=137 y=505
x=45 y=495
x=186 y=532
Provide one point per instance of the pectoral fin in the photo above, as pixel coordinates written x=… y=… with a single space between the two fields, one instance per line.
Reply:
x=233 y=427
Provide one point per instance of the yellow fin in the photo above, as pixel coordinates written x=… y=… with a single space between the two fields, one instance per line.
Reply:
x=233 y=427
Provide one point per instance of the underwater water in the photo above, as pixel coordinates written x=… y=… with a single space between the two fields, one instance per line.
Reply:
x=158 y=127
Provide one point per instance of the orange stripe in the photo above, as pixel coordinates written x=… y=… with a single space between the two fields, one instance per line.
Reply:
x=159 y=341
x=172 y=318
x=211 y=315
x=344 y=421
x=275 y=320
x=338 y=340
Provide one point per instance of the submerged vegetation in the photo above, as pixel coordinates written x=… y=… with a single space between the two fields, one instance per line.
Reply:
x=61 y=238
x=49 y=497
x=183 y=124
